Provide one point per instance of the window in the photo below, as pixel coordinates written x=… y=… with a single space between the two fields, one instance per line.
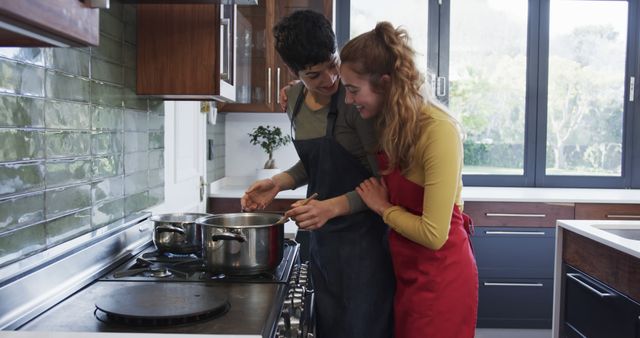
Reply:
x=544 y=88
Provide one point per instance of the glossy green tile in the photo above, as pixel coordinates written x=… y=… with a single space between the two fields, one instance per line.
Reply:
x=21 y=211
x=110 y=25
x=22 y=243
x=156 y=122
x=106 y=118
x=136 y=141
x=67 y=143
x=107 y=166
x=28 y=55
x=107 y=71
x=104 y=94
x=64 y=87
x=156 y=196
x=136 y=183
x=129 y=60
x=109 y=49
x=67 y=227
x=137 y=161
x=130 y=33
x=64 y=200
x=66 y=172
x=21 y=111
x=67 y=115
x=156 y=139
x=136 y=120
x=128 y=13
x=21 y=177
x=107 y=189
x=156 y=159
x=18 y=144
x=72 y=61
x=107 y=212
x=103 y=143
x=133 y=101
x=156 y=177
x=19 y=78
x=136 y=202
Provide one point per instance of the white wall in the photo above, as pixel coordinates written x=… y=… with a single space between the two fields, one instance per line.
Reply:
x=242 y=158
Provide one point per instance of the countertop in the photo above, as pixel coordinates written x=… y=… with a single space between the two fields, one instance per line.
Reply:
x=594 y=230
x=234 y=187
x=42 y=334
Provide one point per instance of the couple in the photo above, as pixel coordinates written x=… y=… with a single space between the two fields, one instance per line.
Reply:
x=352 y=117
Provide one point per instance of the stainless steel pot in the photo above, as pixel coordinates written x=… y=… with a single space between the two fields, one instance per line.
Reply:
x=178 y=233
x=242 y=243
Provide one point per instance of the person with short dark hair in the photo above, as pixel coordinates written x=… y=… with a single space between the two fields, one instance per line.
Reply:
x=349 y=260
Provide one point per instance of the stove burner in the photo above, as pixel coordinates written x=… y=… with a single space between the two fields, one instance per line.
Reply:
x=160 y=273
x=161 y=304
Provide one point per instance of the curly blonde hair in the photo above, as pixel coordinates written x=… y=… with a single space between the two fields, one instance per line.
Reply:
x=385 y=50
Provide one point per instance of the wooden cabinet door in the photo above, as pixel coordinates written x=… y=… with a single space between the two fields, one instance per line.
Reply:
x=260 y=72
x=608 y=211
x=178 y=51
x=47 y=23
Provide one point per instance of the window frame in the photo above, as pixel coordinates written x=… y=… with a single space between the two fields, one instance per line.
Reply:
x=536 y=97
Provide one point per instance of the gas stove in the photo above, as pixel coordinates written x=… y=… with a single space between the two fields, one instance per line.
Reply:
x=151 y=265
x=160 y=293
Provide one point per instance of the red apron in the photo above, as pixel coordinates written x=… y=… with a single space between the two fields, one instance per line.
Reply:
x=436 y=291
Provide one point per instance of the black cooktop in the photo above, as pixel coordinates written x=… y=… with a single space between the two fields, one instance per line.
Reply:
x=150 y=265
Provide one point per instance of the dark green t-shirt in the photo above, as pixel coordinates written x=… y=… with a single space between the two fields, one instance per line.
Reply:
x=352 y=132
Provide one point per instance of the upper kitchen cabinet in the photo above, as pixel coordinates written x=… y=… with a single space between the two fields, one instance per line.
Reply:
x=260 y=74
x=48 y=23
x=186 y=51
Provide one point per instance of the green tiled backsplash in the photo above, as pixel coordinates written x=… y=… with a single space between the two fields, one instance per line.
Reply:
x=79 y=149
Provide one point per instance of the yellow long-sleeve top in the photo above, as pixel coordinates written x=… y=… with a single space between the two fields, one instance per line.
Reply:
x=438 y=168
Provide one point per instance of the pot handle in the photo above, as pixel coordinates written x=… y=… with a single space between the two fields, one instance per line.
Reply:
x=169 y=228
x=228 y=236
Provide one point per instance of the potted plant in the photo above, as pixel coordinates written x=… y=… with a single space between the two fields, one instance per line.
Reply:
x=270 y=138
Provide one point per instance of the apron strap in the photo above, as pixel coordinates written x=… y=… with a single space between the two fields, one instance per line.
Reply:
x=333 y=114
x=296 y=109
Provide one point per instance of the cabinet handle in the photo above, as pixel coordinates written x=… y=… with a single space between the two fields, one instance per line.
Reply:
x=622 y=216
x=513 y=284
x=523 y=233
x=495 y=214
x=225 y=73
x=97 y=3
x=278 y=85
x=585 y=283
x=269 y=85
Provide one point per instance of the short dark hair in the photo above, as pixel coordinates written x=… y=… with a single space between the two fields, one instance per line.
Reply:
x=303 y=39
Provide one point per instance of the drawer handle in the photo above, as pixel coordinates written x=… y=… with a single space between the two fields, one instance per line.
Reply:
x=585 y=283
x=523 y=233
x=623 y=216
x=495 y=214
x=513 y=284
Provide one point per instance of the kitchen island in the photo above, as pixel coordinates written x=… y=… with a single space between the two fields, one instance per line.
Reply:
x=597 y=273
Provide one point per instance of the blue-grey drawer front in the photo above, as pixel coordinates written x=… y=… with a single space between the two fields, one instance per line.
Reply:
x=515 y=303
x=514 y=252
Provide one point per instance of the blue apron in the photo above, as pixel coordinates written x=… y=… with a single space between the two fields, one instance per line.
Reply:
x=350 y=263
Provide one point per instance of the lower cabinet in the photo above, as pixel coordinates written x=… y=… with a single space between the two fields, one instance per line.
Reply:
x=595 y=310
x=515 y=267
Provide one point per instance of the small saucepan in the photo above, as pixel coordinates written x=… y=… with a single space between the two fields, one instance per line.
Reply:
x=178 y=233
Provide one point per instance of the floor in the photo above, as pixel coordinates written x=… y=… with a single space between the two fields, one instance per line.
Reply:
x=512 y=333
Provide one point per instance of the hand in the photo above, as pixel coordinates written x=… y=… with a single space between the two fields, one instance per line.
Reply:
x=283 y=94
x=312 y=215
x=260 y=194
x=374 y=194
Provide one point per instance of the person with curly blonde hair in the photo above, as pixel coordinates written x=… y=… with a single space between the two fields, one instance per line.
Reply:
x=420 y=157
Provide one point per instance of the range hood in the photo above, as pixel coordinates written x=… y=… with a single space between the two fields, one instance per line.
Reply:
x=185 y=2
